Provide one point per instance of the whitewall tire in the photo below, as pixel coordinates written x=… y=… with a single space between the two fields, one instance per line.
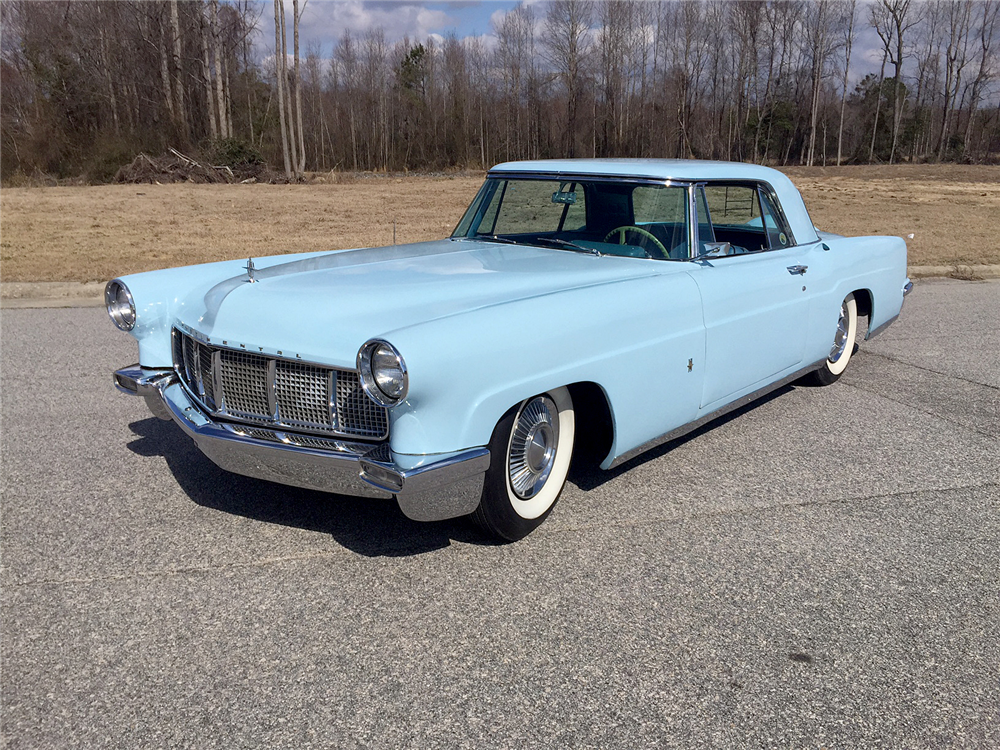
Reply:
x=530 y=454
x=842 y=347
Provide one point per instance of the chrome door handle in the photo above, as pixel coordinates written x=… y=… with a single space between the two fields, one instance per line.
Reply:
x=797 y=270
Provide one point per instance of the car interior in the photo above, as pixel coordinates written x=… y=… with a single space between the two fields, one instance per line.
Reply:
x=626 y=219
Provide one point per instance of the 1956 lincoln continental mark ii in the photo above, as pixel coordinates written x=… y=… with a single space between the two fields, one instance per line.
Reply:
x=581 y=307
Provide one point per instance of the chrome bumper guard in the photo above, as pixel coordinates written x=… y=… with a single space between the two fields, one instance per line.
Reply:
x=431 y=489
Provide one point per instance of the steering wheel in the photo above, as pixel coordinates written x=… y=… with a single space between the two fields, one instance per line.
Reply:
x=624 y=228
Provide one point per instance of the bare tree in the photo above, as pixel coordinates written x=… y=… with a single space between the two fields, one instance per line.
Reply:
x=279 y=72
x=206 y=73
x=989 y=24
x=175 y=30
x=165 y=59
x=819 y=20
x=850 y=14
x=567 y=23
x=88 y=84
x=892 y=20
x=286 y=102
x=296 y=13
x=959 y=19
x=224 y=127
x=515 y=41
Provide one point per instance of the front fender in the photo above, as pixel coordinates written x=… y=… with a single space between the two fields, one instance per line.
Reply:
x=628 y=337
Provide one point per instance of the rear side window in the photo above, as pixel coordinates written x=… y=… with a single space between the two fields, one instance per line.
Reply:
x=775 y=232
x=746 y=217
x=733 y=205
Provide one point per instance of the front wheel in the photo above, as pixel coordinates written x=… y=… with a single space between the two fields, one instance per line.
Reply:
x=535 y=441
x=843 y=345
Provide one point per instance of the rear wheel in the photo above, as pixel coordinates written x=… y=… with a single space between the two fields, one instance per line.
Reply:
x=535 y=441
x=843 y=345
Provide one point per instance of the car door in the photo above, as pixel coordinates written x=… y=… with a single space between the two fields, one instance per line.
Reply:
x=754 y=296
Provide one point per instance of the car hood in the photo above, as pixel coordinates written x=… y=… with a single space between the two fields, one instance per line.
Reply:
x=322 y=308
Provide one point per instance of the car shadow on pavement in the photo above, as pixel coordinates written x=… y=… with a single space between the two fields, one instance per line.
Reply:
x=370 y=527
x=590 y=476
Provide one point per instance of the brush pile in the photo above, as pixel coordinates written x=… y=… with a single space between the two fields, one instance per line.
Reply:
x=176 y=167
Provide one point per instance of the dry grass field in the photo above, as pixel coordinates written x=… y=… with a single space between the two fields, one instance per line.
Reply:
x=96 y=233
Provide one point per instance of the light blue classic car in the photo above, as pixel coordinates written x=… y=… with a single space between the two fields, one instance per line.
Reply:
x=581 y=308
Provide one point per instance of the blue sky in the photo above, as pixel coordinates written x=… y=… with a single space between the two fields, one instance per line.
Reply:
x=325 y=21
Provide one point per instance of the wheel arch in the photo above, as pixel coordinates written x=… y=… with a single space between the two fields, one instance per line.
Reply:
x=866 y=306
x=595 y=428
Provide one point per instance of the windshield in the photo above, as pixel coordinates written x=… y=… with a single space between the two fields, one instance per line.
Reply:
x=603 y=217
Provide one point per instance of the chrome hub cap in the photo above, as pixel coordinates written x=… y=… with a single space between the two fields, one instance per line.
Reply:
x=533 y=447
x=840 y=339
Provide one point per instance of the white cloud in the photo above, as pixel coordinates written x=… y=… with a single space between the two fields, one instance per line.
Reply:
x=325 y=21
x=487 y=42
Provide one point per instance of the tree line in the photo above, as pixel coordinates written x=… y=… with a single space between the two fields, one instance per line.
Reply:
x=89 y=83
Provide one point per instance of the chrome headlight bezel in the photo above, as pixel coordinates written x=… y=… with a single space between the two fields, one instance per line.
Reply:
x=123 y=317
x=369 y=371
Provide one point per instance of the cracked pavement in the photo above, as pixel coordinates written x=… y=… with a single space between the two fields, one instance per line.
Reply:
x=818 y=569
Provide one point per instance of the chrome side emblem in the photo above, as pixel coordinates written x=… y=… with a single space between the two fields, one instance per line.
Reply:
x=250 y=271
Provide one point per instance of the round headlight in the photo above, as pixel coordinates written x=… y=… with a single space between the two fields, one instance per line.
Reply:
x=121 y=307
x=383 y=372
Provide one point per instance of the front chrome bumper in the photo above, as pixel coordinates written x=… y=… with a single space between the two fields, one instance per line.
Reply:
x=427 y=488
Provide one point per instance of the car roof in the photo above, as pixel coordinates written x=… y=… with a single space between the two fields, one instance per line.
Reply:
x=678 y=169
x=686 y=170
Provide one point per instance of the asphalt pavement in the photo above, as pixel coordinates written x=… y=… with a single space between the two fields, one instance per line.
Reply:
x=821 y=569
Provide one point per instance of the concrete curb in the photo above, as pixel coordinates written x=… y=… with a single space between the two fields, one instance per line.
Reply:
x=36 y=294
x=15 y=294
x=961 y=272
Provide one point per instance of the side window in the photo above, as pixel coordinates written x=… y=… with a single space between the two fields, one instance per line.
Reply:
x=737 y=218
x=662 y=210
x=733 y=205
x=776 y=233
x=705 y=233
x=655 y=204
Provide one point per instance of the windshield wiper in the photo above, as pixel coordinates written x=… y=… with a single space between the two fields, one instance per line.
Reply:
x=567 y=244
x=495 y=238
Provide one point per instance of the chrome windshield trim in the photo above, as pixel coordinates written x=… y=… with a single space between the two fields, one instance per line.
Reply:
x=693 y=244
x=584 y=176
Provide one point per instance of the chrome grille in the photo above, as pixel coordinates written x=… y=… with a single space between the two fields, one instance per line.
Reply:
x=277 y=393
x=302 y=441
x=303 y=393
x=355 y=408
x=207 y=383
x=244 y=383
